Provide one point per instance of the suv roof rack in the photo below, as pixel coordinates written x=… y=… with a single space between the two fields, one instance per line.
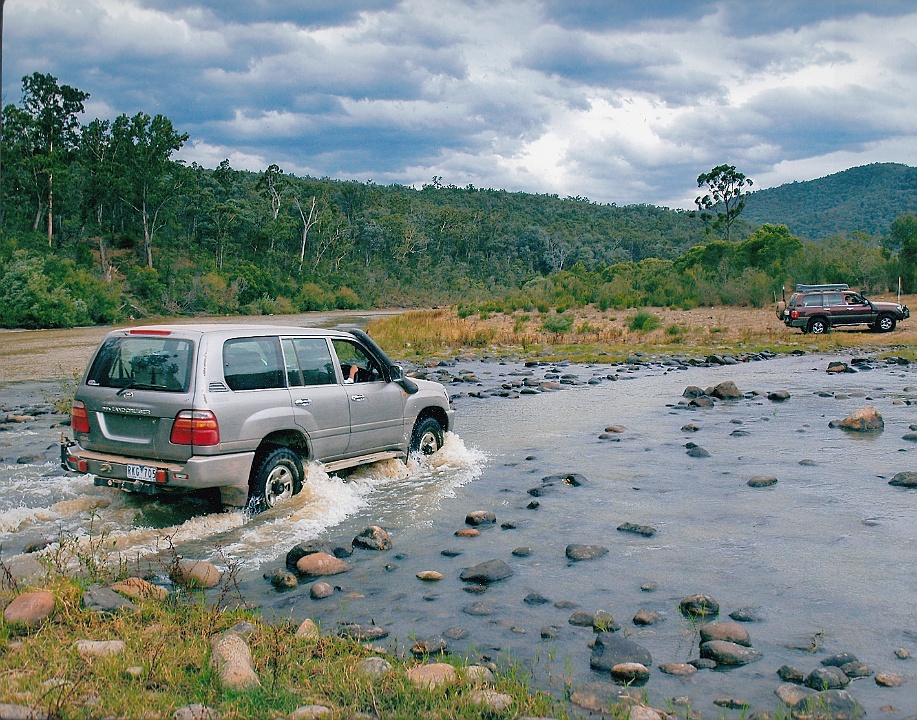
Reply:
x=832 y=286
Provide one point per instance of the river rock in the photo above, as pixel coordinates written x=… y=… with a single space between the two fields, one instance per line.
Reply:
x=729 y=631
x=647 y=617
x=889 y=679
x=321 y=590
x=856 y=669
x=479 y=609
x=9 y=711
x=616 y=429
x=432 y=675
x=522 y=551
x=635 y=529
x=778 y=396
x=597 y=697
x=374 y=667
x=430 y=646
x=791 y=674
x=373 y=538
x=467 y=532
x=678 y=669
x=196 y=711
x=429 y=575
x=839 y=659
x=728 y=653
x=487 y=572
x=319 y=564
x=491 y=700
x=362 y=633
x=792 y=694
x=28 y=609
x=282 y=578
x=762 y=481
x=577 y=552
x=690 y=427
x=307 y=630
x=196 y=574
x=701 y=402
x=309 y=712
x=827 y=678
x=726 y=390
x=906 y=479
x=828 y=705
x=699 y=606
x=99 y=648
x=535 y=598
x=136 y=587
x=698 y=452
x=865 y=419
x=630 y=673
x=692 y=391
x=231 y=658
x=611 y=649
x=105 y=600
x=480 y=517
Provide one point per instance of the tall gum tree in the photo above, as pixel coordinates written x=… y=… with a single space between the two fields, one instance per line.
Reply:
x=142 y=152
x=725 y=185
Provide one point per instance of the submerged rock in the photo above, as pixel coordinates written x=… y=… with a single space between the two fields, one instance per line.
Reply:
x=487 y=572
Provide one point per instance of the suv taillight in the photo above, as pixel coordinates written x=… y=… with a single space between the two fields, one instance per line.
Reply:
x=794 y=314
x=79 y=417
x=195 y=427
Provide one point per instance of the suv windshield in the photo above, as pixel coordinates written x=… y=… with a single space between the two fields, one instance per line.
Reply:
x=145 y=363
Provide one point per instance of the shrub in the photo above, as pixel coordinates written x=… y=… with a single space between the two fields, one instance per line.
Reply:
x=557 y=324
x=643 y=321
x=312 y=297
x=346 y=299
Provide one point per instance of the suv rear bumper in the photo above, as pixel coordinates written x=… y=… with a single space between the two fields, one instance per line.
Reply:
x=196 y=473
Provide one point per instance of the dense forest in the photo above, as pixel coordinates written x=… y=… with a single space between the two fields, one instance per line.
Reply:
x=99 y=223
x=865 y=199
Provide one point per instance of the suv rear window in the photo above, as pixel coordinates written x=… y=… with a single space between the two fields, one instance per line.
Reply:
x=253 y=363
x=145 y=363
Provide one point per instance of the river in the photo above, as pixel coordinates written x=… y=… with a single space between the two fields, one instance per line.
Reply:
x=824 y=558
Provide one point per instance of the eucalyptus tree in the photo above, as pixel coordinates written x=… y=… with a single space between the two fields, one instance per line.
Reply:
x=43 y=133
x=147 y=176
x=725 y=185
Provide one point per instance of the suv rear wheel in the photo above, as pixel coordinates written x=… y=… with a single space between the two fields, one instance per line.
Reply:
x=275 y=477
x=427 y=436
x=818 y=326
x=884 y=323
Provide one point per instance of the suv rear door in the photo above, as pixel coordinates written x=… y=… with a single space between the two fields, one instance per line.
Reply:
x=320 y=402
x=138 y=381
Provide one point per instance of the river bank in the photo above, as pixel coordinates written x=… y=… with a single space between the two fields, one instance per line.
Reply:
x=815 y=563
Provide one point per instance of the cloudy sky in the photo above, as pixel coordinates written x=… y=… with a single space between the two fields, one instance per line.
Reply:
x=622 y=101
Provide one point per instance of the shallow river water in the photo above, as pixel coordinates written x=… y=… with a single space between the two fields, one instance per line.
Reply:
x=824 y=558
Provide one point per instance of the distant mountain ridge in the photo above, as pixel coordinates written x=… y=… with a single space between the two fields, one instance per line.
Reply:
x=865 y=198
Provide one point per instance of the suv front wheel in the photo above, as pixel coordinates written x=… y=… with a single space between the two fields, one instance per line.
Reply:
x=884 y=323
x=818 y=326
x=276 y=476
x=427 y=436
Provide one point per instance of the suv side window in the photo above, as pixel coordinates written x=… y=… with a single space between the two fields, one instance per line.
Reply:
x=356 y=364
x=812 y=300
x=308 y=362
x=833 y=299
x=253 y=363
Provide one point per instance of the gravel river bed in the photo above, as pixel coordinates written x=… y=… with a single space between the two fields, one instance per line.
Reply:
x=816 y=561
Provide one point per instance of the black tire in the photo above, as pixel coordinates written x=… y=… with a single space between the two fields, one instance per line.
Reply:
x=818 y=326
x=275 y=477
x=427 y=436
x=884 y=323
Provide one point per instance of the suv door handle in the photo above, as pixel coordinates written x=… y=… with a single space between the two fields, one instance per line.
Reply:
x=302 y=402
x=357 y=398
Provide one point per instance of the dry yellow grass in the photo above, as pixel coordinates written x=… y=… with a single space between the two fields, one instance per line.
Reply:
x=596 y=335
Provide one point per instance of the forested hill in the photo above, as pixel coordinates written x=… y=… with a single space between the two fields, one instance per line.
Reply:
x=866 y=198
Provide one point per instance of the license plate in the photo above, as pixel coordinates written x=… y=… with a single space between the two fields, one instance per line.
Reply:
x=141 y=472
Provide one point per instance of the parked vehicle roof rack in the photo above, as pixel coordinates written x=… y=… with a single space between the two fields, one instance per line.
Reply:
x=836 y=287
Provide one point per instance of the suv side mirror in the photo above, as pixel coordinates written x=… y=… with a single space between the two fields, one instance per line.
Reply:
x=396 y=373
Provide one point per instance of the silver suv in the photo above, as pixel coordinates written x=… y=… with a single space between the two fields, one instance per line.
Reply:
x=241 y=408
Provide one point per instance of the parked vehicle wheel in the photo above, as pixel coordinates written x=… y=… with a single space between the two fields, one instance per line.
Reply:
x=818 y=326
x=275 y=477
x=427 y=436
x=884 y=323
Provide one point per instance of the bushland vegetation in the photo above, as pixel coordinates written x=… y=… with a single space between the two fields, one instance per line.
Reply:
x=100 y=224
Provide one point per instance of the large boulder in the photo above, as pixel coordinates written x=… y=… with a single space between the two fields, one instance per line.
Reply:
x=865 y=419
x=726 y=390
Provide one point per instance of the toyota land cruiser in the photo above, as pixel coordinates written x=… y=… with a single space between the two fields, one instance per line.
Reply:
x=818 y=308
x=241 y=408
